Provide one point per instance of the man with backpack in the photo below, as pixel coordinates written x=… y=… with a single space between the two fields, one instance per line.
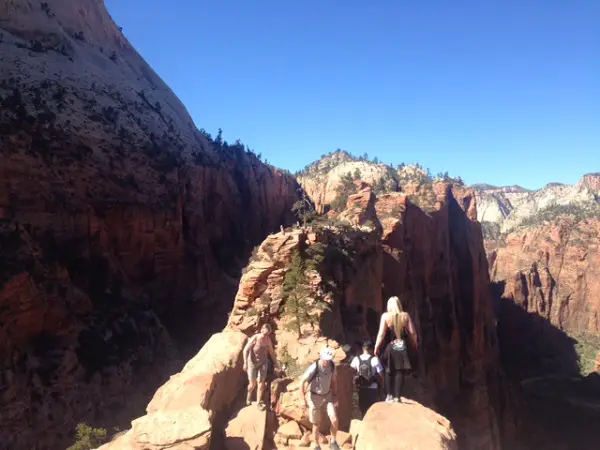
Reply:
x=369 y=377
x=320 y=377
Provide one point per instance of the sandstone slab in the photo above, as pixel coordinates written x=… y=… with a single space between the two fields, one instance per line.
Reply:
x=211 y=379
x=396 y=426
x=246 y=430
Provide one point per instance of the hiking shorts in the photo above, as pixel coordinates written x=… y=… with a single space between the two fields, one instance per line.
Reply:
x=257 y=372
x=317 y=404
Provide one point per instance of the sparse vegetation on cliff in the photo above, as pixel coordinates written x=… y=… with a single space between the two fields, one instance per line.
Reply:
x=576 y=211
x=88 y=438
x=299 y=307
x=304 y=209
x=587 y=347
x=345 y=190
x=490 y=230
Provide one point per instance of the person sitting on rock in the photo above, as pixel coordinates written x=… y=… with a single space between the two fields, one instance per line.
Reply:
x=321 y=379
x=395 y=355
x=369 y=376
x=256 y=354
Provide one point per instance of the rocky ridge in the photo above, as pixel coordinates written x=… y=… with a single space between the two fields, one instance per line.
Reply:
x=121 y=224
x=433 y=260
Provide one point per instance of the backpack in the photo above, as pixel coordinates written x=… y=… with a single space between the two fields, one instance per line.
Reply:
x=366 y=377
x=316 y=372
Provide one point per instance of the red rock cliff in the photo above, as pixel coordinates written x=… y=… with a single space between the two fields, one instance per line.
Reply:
x=117 y=217
x=553 y=270
x=547 y=281
x=435 y=262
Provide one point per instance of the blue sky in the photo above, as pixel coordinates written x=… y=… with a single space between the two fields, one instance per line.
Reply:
x=503 y=92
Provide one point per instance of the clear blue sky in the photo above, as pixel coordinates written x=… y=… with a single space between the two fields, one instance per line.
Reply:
x=504 y=91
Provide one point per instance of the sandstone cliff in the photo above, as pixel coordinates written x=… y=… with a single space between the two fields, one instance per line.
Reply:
x=433 y=259
x=505 y=208
x=121 y=224
x=323 y=179
x=551 y=272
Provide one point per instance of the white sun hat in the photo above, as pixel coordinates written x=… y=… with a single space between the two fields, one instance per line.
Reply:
x=326 y=354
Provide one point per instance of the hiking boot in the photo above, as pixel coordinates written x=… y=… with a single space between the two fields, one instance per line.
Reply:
x=389 y=399
x=317 y=448
x=397 y=400
x=334 y=446
x=261 y=406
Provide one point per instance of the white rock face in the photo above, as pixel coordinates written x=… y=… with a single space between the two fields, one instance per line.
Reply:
x=76 y=45
x=322 y=182
x=509 y=206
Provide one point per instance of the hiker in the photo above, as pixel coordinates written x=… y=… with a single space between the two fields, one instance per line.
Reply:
x=256 y=355
x=321 y=379
x=395 y=355
x=369 y=378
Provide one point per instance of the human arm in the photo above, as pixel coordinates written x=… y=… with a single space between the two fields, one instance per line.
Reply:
x=334 y=388
x=380 y=370
x=304 y=382
x=412 y=332
x=246 y=351
x=383 y=326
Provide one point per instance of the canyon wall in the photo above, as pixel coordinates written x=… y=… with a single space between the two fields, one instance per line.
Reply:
x=547 y=283
x=123 y=228
x=435 y=262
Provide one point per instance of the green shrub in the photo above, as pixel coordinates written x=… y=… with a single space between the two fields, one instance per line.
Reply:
x=87 y=437
x=293 y=369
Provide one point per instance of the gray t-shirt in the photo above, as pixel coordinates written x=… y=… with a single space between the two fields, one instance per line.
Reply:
x=321 y=383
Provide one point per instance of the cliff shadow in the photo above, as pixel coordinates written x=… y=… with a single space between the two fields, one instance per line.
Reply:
x=558 y=409
x=531 y=346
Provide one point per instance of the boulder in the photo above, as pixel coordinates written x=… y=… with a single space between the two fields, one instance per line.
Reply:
x=402 y=426
x=185 y=409
x=355 y=426
x=246 y=430
x=212 y=379
x=174 y=430
x=290 y=429
x=291 y=405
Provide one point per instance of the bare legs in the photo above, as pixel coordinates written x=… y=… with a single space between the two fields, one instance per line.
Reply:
x=316 y=434
x=260 y=394
x=334 y=428
x=251 y=387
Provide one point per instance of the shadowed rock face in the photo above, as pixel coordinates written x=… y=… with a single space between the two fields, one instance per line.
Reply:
x=121 y=224
x=434 y=261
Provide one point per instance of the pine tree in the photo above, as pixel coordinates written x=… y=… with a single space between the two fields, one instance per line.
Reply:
x=344 y=190
x=299 y=308
x=304 y=209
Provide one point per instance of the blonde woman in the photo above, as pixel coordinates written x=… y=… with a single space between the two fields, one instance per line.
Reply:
x=395 y=355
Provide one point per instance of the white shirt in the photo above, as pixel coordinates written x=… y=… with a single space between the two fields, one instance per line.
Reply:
x=375 y=364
